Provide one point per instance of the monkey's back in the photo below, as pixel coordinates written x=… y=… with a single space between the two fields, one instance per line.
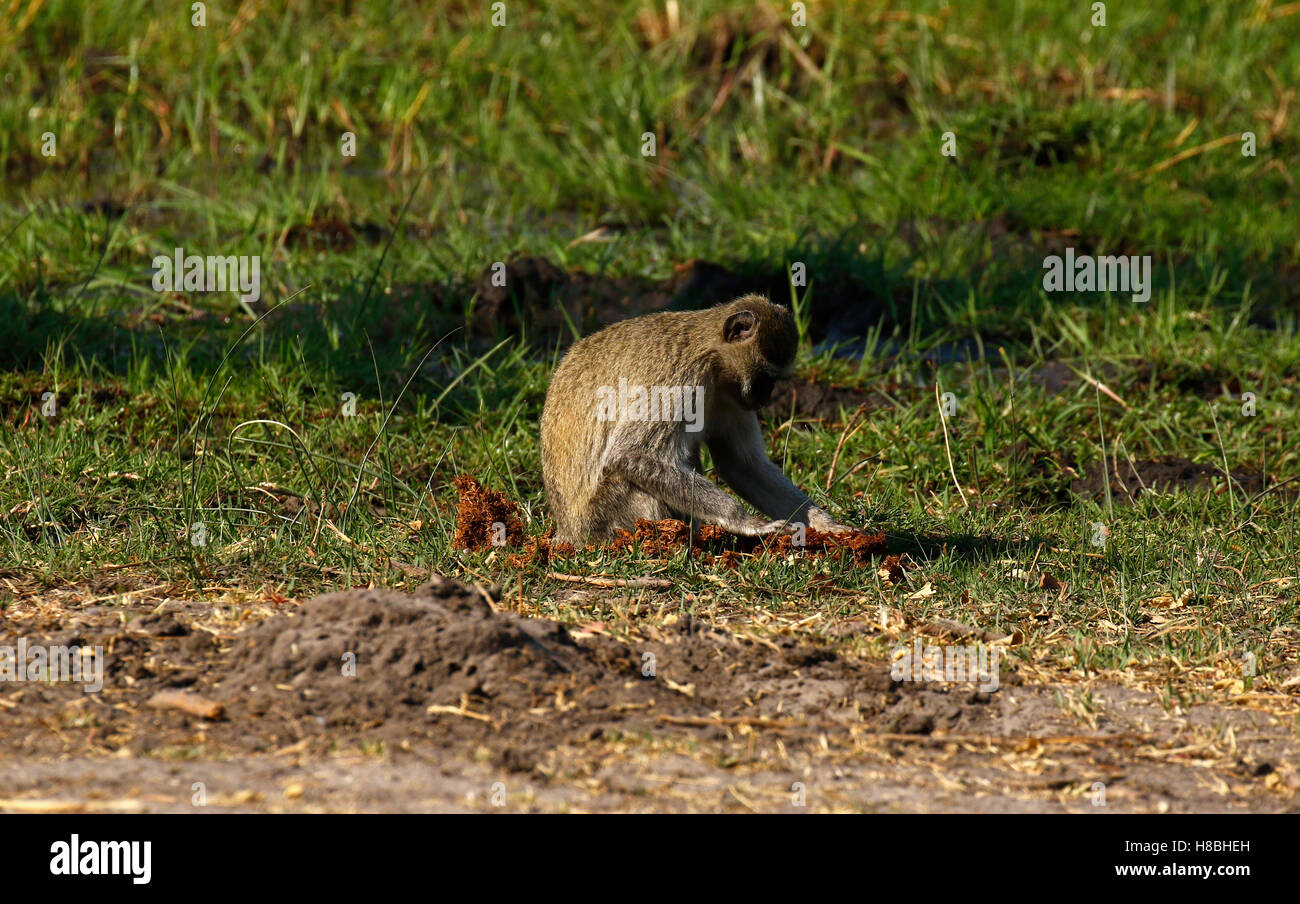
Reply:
x=653 y=350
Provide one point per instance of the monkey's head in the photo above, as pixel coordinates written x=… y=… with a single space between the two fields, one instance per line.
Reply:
x=757 y=342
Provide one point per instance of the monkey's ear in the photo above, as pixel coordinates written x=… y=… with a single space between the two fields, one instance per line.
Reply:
x=740 y=326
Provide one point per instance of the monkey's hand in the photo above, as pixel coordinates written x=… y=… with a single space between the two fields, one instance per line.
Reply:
x=758 y=528
x=819 y=520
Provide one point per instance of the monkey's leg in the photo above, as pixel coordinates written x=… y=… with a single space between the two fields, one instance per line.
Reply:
x=685 y=490
x=744 y=466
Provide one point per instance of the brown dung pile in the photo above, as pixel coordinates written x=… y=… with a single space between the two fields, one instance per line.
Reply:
x=480 y=509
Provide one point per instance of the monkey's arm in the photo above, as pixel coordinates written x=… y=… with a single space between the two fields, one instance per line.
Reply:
x=689 y=492
x=741 y=461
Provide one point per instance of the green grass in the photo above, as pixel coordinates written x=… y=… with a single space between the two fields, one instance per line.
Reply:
x=817 y=144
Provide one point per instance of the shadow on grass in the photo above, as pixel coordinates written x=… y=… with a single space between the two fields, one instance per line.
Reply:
x=971 y=548
x=858 y=289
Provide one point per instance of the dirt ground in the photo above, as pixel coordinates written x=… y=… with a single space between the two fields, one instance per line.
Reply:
x=444 y=699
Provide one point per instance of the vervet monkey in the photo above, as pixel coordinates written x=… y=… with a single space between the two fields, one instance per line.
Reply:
x=630 y=405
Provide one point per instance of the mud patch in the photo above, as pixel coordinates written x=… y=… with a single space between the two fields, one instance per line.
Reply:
x=1203 y=381
x=534 y=297
x=331 y=232
x=1129 y=478
x=805 y=399
x=1043 y=475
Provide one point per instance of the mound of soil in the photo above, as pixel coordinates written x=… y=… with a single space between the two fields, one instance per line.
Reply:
x=447 y=692
x=443 y=665
x=443 y=668
x=361 y=658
